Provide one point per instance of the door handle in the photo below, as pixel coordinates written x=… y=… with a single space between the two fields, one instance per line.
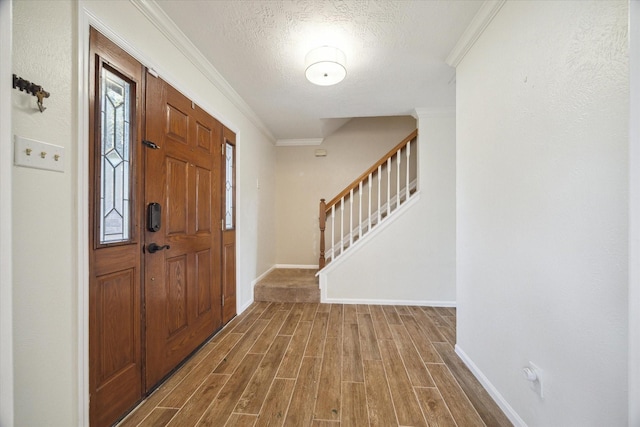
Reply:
x=154 y=247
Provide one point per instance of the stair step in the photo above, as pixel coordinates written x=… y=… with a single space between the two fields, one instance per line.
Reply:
x=288 y=285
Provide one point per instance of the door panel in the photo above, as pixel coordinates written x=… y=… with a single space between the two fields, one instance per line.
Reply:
x=115 y=297
x=183 y=282
x=115 y=311
x=203 y=201
x=204 y=279
x=177 y=193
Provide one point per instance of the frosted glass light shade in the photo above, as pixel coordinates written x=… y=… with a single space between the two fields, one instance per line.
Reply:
x=325 y=66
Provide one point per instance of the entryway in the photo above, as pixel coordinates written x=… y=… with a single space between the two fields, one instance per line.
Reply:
x=162 y=229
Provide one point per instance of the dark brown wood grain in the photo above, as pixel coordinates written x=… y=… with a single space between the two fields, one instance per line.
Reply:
x=183 y=282
x=334 y=384
x=115 y=270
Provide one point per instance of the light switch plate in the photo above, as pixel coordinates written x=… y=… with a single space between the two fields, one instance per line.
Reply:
x=30 y=153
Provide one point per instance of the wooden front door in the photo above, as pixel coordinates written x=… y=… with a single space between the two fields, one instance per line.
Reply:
x=183 y=278
x=155 y=293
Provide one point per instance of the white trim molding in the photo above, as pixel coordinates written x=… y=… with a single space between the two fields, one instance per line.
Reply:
x=485 y=15
x=493 y=392
x=157 y=16
x=82 y=214
x=634 y=214
x=6 y=169
x=300 y=142
x=420 y=303
x=300 y=266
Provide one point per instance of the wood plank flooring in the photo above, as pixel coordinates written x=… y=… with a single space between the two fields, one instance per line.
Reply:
x=310 y=364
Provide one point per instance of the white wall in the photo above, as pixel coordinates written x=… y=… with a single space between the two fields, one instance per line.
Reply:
x=634 y=214
x=49 y=375
x=303 y=179
x=44 y=303
x=542 y=123
x=412 y=260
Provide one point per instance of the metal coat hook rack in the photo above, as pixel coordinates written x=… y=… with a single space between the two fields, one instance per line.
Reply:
x=32 y=88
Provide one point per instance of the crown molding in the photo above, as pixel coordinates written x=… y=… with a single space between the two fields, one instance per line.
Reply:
x=485 y=15
x=155 y=15
x=298 y=142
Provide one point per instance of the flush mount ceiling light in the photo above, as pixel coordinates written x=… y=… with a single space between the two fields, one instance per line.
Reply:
x=325 y=66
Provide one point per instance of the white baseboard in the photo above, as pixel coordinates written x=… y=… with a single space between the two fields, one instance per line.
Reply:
x=262 y=276
x=493 y=392
x=301 y=266
x=421 y=303
x=245 y=306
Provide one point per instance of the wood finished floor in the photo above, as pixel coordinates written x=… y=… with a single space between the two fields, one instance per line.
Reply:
x=308 y=364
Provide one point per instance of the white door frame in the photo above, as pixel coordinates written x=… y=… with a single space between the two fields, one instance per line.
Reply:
x=6 y=169
x=634 y=214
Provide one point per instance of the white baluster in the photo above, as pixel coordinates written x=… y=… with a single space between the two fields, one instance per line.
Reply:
x=369 y=216
x=379 y=195
x=388 y=186
x=341 y=225
x=333 y=228
x=351 y=218
x=398 y=163
x=408 y=160
x=360 y=210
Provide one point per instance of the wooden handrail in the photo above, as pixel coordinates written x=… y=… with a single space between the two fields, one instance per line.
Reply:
x=382 y=160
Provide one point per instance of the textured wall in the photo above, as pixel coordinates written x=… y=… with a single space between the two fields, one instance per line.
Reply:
x=303 y=179
x=44 y=294
x=542 y=120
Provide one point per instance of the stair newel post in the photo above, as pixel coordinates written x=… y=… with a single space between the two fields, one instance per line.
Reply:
x=323 y=220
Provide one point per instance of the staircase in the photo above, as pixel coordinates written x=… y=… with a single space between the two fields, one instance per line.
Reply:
x=347 y=219
x=368 y=201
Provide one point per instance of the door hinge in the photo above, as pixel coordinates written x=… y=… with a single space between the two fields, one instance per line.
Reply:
x=150 y=144
x=223 y=300
x=222 y=148
x=222 y=224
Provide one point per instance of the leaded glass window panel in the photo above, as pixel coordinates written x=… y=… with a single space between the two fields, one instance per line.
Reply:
x=115 y=158
x=229 y=186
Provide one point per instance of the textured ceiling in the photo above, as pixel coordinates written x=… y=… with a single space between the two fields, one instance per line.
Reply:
x=395 y=55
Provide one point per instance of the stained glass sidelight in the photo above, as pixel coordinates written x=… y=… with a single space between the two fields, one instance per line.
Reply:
x=229 y=184
x=115 y=153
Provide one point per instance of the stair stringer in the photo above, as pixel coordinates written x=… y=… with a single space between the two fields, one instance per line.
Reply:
x=394 y=249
